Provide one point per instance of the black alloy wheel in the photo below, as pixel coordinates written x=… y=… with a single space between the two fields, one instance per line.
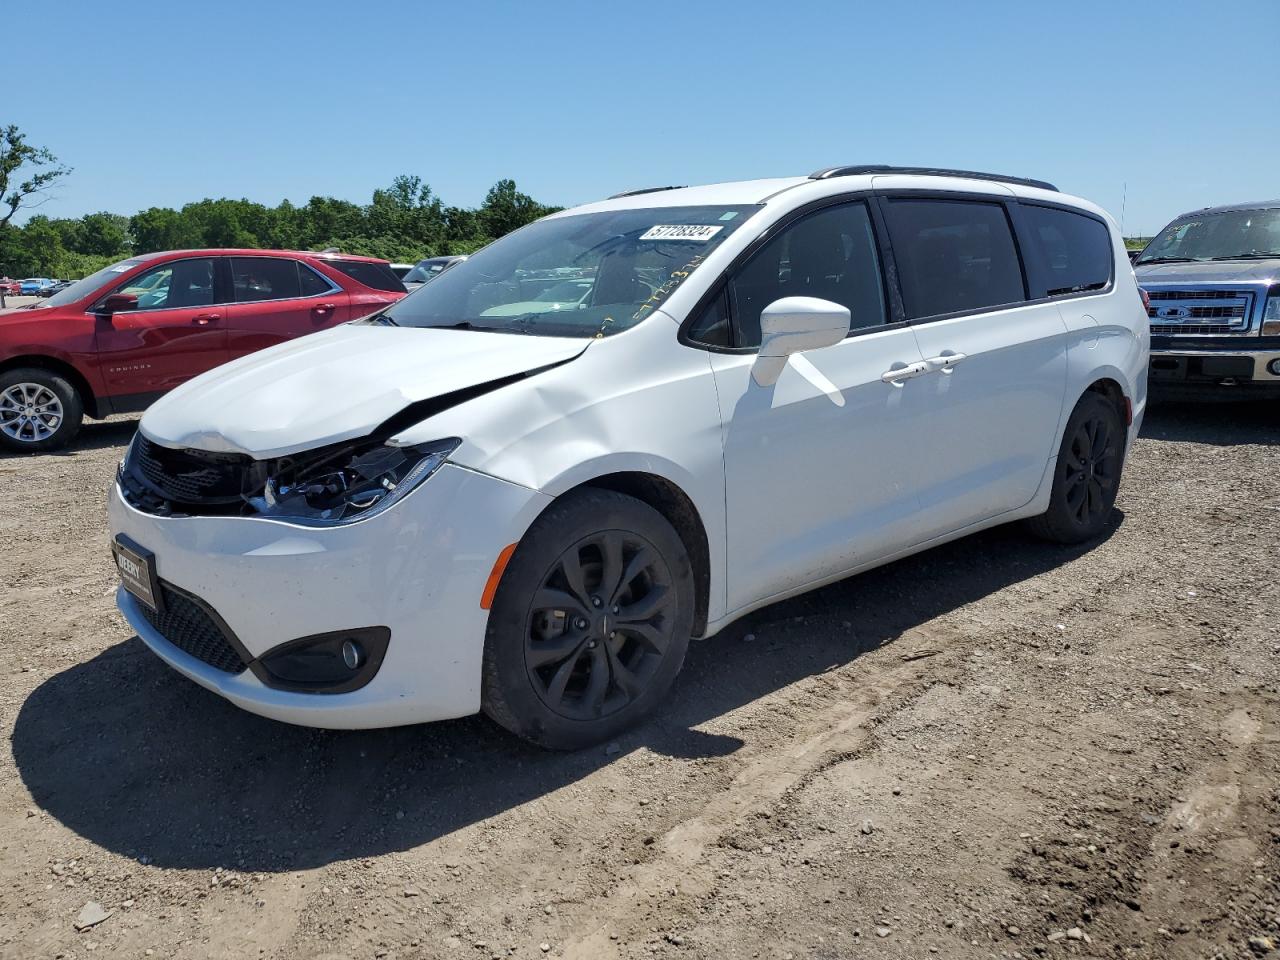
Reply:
x=590 y=622
x=600 y=625
x=1091 y=473
x=1087 y=476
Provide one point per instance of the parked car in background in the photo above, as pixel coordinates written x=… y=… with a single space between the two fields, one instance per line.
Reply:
x=429 y=269
x=116 y=340
x=33 y=285
x=400 y=269
x=1213 y=282
x=767 y=386
x=10 y=286
x=57 y=286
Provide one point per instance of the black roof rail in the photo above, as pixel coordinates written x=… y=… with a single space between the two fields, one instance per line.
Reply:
x=636 y=193
x=828 y=172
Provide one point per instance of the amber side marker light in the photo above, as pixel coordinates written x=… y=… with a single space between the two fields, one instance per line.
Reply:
x=495 y=575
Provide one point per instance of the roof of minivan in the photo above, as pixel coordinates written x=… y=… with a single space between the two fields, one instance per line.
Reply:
x=712 y=194
x=1231 y=208
x=758 y=191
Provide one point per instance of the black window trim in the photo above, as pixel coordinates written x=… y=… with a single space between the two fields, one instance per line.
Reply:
x=1024 y=227
x=892 y=295
x=220 y=283
x=875 y=200
x=333 y=287
x=1004 y=201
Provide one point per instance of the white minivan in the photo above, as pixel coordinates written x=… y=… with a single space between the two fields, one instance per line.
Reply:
x=492 y=496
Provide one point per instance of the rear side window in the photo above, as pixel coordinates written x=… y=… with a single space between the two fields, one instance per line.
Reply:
x=830 y=254
x=1073 y=251
x=954 y=256
x=376 y=275
x=264 y=278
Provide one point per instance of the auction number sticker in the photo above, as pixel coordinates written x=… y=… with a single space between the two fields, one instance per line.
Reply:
x=679 y=231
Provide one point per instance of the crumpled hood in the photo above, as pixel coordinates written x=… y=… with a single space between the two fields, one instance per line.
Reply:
x=1227 y=271
x=337 y=385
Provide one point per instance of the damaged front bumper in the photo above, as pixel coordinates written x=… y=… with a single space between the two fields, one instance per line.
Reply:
x=418 y=570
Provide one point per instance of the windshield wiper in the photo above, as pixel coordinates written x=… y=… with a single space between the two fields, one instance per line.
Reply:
x=480 y=327
x=1250 y=256
x=1171 y=260
x=384 y=319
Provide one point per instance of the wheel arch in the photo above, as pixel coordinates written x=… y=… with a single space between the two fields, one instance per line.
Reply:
x=63 y=369
x=1113 y=391
x=680 y=511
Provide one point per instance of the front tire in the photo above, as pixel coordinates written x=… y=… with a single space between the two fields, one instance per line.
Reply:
x=1087 y=476
x=39 y=410
x=590 y=623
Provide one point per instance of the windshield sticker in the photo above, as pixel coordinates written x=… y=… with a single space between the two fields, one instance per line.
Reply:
x=729 y=216
x=688 y=231
x=122 y=267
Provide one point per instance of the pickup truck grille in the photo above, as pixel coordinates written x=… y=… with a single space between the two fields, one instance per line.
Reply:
x=1209 y=312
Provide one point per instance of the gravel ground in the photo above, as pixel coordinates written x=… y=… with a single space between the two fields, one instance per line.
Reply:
x=996 y=749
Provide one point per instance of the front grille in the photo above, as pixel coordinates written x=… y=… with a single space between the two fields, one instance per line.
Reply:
x=1198 y=294
x=1201 y=328
x=189 y=476
x=1204 y=312
x=190 y=625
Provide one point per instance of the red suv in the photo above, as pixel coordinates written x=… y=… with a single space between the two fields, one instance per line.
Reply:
x=115 y=341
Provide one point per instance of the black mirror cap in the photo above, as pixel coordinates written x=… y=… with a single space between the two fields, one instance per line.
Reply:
x=337 y=662
x=118 y=303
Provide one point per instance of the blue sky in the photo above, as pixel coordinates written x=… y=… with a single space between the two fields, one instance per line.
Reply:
x=161 y=103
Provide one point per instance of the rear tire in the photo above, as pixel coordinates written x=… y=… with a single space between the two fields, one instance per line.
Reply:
x=1086 y=477
x=590 y=623
x=39 y=410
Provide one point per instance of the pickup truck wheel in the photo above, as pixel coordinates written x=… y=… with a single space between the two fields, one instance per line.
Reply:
x=39 y=410
x=1087 y=476
x=590 y=622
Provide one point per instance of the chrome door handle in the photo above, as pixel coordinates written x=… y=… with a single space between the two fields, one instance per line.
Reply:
x=944 y=362
x=898 y=374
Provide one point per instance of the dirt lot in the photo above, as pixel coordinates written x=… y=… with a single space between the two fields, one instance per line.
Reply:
x=997 y=749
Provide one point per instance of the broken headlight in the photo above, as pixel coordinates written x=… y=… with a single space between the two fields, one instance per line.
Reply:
x=351 y=483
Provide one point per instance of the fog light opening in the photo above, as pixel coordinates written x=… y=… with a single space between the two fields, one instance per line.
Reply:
x=1274 y=367
x=336 y=662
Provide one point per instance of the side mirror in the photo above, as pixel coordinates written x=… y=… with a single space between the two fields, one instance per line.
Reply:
x=118 y=303
x=793 y=325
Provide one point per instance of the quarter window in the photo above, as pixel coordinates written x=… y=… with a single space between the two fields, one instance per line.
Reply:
x=830 y=254
x=954 y=256
x=313 y=285
x=174 y=285
x=1074 y=251
x=264 y=278
x=712 y=327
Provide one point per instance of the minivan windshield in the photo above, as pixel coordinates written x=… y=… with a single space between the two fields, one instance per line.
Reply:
x=572 y=276
x=1229 y=235
x=90 y=284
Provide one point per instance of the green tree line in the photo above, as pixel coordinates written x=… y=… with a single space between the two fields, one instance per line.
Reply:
x=404 y=222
